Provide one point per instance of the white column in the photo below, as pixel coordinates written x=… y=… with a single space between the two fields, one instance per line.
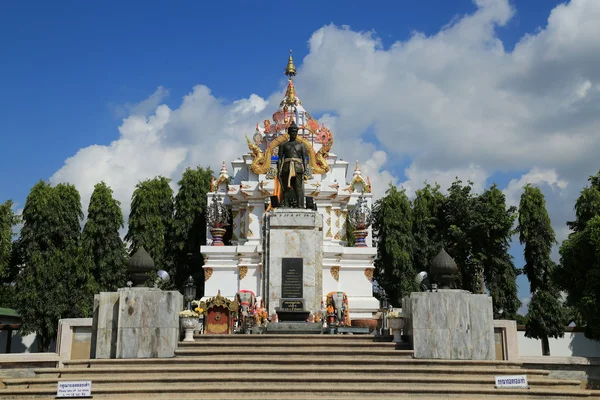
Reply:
x=256 y=209
x=235 y=209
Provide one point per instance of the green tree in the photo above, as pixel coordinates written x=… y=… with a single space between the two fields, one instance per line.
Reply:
x=101 y=240
x=426 y=225
x=8 y=220
x=546 y=317
x=491 y=240
x=458 y=228
x=579 y=270
x=392 y=226
x=151 y=220
x=55 y=279
x=189 y=224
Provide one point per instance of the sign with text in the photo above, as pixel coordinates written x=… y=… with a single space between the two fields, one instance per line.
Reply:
x=511 y=381
x=291 y=278
x=74 y=389
x=292 y=305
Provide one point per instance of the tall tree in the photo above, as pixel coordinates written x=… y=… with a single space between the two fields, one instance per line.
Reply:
x=151 y=220
x=426 y=225
x=491 y=240
x=8 y=220
x=579 y=272
x=459 y=224
x=101 y=240
x=394 y=270
x=189 y=224
x=546 y=317
x=55 y=279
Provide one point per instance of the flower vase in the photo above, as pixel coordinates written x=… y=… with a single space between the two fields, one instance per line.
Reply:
x=396 y=325
x=189 y=325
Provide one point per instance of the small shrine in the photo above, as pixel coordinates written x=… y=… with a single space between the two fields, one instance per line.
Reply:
x=246 y=205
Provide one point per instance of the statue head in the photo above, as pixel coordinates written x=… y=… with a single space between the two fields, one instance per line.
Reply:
x=292 y=131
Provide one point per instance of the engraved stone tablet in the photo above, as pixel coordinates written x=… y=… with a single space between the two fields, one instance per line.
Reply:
x=292 y=305
x=291 y=278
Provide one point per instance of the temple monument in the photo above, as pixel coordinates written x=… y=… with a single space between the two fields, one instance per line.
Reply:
x=291 y=199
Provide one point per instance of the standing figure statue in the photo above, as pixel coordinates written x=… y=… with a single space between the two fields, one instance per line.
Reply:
x=291 y=166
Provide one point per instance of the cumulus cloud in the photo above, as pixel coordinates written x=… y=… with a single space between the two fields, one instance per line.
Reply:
x=454 y=103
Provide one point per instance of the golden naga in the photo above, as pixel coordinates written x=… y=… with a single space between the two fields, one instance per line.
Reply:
x=262 y=160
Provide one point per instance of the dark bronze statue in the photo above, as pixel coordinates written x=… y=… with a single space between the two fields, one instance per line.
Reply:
x=291 y=167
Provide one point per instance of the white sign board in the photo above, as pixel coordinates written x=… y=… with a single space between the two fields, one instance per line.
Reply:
x=74 y=389
x=511 y=381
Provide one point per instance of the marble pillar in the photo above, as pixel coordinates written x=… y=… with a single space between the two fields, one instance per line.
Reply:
x=294 y=234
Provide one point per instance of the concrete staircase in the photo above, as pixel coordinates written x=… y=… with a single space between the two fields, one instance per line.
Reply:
x=292 y=367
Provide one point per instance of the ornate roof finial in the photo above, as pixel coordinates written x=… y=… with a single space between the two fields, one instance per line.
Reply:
x=224 y=170
x=357 y=170
x=290 y=70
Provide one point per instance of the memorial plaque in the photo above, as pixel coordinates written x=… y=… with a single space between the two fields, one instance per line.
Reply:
x=291 y=278
x=292 y=305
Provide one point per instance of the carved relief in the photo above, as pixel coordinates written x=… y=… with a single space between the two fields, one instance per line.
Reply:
x=369 y=274
x=335 y=272
x=243 y=270
x=207 y=273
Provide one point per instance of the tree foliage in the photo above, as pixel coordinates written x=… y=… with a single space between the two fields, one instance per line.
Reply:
x=579 y=272
x=189 y=224
x=8 y=220
x=426 y=218
x=458 y=227
x=151 y=220
x=536 y=233
x=491 y=241
x=101 y=240
x=394 y=270
x=547 y=316
x=54 y=280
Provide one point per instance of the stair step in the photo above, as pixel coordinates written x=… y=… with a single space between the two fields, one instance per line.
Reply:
x=285 y=360
x=300 y=351
x=291 y=369
x=200 y=389
x=294 y=343
x=285 y=379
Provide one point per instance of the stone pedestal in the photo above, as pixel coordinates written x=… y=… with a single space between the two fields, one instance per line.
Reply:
x=136 y=323
x=450 y=324
x=293 y=259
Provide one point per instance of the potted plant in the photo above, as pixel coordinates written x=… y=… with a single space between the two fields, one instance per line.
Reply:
x=396 y=323
x=189 y=322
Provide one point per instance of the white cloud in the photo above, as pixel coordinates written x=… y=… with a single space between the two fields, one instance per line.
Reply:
x=455 y=103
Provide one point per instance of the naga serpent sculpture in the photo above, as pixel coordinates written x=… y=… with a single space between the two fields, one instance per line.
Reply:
x=262 y=160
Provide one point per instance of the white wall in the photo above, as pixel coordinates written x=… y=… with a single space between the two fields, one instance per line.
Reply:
x=572 y=344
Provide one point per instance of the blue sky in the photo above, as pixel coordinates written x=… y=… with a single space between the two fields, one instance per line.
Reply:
x=71 y=71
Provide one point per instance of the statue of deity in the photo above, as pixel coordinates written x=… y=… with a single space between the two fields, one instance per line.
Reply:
x=291 y=166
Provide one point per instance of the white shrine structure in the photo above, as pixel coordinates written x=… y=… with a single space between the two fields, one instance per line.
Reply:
x=246 y=191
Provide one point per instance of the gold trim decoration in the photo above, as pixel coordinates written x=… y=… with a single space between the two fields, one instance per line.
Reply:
x=328 y=234
x=250 y=233
x=337 y=236
x=243 y=270
x=335 y=186
x=262 y=190
x=262 y=160
x=332 y=196
x=335 y=272
x=208 y=271
x=337 y=212
x=369 y=274
x=328 y=210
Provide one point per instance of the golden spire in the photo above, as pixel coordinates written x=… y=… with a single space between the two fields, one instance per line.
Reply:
x=290 y=70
